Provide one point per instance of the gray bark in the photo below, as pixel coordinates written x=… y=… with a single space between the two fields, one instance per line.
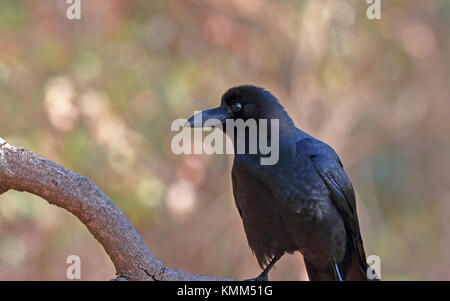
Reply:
x=22 y=170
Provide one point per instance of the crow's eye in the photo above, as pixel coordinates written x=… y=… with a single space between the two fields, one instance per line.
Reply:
x=236 y=107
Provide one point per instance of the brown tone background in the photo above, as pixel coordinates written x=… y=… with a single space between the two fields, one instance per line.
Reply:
x=98 y=96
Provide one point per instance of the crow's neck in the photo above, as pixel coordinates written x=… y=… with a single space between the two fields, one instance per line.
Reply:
x=279 y=129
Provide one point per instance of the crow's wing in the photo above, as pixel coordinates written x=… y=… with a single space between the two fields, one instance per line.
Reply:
x=329 y=167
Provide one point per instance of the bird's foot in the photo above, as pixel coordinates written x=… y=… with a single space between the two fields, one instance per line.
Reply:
x=264 y=276
x=261 y=277
x=339 y=278
x=336 y=270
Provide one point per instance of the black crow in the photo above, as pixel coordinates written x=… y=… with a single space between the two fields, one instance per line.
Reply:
x=304 y=202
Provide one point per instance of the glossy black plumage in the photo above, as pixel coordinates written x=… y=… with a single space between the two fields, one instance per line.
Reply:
x=305 y=202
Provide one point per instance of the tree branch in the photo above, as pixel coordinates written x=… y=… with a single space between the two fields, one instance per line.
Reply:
x=22 y=170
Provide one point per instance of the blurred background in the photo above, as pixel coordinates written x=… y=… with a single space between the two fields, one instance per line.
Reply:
x=98 y=96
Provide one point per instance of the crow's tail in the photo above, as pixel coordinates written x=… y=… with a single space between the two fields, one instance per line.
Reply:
x=351 y=269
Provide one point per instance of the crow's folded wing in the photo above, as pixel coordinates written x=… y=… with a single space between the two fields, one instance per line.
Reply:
x=329 y=167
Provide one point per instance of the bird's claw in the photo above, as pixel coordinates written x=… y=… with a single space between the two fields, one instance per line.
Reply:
x=262 y=277
x=336 y=270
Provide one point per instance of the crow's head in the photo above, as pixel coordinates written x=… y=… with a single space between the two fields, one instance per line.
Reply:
x=242 y=102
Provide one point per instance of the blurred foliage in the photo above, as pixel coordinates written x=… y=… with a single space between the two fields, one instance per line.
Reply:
x=98 y=96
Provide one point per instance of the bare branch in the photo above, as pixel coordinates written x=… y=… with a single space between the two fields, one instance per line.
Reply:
x=22 y=170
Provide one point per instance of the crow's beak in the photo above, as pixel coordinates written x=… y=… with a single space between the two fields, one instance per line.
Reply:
x=208 y=118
